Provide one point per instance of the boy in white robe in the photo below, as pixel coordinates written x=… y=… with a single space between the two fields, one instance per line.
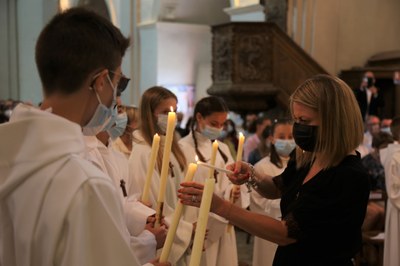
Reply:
x=114 y=164
x=56 y=208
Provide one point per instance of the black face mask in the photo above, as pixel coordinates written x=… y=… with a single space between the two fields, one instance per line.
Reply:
x=305 y=136
x=370 y=82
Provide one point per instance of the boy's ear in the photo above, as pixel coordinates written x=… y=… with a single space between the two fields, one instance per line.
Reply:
x=100 y=80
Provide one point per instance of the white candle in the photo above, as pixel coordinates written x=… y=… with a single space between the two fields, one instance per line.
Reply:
x=238 y=159
x=175 y=219
x=202 y=222
x=165 y=164
x=150 y=168
x=226 y=171
x=240 y=147
x=213 y=157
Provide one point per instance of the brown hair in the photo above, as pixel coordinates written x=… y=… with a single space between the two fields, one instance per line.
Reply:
x=151 y=98
x=341 y=126
x=74 y=45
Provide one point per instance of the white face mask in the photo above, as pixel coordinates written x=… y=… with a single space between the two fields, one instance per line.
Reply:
x=101 y=117
x=386 y=130
x=211 y=132
x=162 y=122
x=284 y=147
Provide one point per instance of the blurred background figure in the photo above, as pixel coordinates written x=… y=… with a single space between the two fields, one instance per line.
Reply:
x=368 y=97
x=249 y=125
x=229 y=136
x=372 y=128
x=385 y=125
x=263 y=148
x=375 y=217
x=253 y=140
x=6 y=108
x=178 y=128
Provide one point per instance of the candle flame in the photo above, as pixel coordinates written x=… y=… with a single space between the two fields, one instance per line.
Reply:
x=240 y=134
x=156 y=134
x=171 y=108
x=196 y=158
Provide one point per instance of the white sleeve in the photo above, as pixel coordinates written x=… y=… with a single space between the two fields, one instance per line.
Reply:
x=93 y=229
x=136 y=214
x=144 y=246
x=393 y=180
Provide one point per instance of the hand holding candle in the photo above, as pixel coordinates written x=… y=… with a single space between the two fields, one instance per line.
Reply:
x=177 y=215
x=238 y=159
x=153 y=157
x=165 y=164
x=201 y=227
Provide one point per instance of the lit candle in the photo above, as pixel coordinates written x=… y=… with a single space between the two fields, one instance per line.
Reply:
x=213 y=157
x=240 y=147
x=238 y=159
x=150 y=168
x=165 y=165
x=175 y=219
x=201 y=226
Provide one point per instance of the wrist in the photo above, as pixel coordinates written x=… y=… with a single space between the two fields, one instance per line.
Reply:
x=252 y=181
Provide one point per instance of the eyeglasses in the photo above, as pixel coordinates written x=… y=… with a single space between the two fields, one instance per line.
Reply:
x=122 y=83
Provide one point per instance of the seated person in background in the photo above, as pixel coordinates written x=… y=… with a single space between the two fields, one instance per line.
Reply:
x=375 y=217
x=229 y=136
x=263 y=147
x=372 y=127
x=385 y=125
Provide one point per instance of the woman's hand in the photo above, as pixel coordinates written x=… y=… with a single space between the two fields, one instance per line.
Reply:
x=191 y=193
x=241 y=172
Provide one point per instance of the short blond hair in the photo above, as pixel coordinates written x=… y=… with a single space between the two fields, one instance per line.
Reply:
x=341 y=126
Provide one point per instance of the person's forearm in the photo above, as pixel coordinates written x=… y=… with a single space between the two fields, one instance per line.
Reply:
x=265 y=186
x=254 y=223
x=267 y=189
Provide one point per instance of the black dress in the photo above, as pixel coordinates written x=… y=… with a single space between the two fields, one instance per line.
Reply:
x=324 y=215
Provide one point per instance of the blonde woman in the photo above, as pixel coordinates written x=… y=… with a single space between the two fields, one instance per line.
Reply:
x=324 y=189
x=154 y=107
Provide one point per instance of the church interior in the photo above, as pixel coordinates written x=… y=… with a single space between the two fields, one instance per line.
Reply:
x=251 y=53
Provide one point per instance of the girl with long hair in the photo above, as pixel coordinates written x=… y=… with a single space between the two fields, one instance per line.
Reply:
x=154 y=107
x=209 y=117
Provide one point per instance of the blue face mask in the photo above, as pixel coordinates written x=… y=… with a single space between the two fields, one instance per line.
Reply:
x=119 y=126
x=284 y=147
x=211 y=132
x=102 y=115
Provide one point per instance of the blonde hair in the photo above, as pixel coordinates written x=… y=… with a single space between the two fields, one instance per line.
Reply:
x=341 y=127
x=151 y=98
x=132 y=112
